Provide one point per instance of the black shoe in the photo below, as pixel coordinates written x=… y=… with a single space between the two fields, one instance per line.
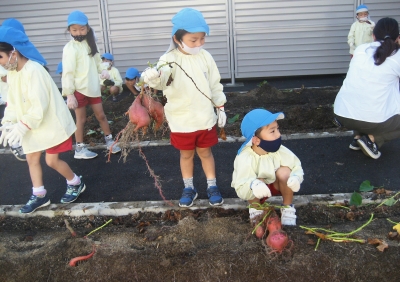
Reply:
x=368 y=147
x=354 y=145
x=19 y=153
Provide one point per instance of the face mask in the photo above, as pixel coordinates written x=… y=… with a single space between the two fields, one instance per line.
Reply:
x=11 y=66
x=270 y=146
x=79 y=38
x=364 y=19
x=105 y=65
x=191 y=51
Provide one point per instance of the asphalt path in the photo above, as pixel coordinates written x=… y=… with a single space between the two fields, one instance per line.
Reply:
x=329 y=166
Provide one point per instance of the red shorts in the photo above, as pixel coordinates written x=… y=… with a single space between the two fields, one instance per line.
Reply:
x=85 y=100
x=189 y=141
x=60 y=148
x=274 y=192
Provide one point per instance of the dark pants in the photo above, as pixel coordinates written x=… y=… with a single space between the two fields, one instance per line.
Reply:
x=382 y=131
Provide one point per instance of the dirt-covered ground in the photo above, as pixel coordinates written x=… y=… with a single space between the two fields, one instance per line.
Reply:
x=213 y=244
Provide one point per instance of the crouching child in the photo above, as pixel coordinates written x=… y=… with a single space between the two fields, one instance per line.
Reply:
x=264 y=168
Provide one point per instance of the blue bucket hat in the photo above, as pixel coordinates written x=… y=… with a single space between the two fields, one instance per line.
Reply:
x=190 y=20
x=11 y=22
x=255 y=119
x=77 y=17
x=21 y=43
x=59 y=68
x=361 y=8
x=131 y=73
x=108 y=56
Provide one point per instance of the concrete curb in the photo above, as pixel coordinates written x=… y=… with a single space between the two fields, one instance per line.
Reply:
x=126 y=208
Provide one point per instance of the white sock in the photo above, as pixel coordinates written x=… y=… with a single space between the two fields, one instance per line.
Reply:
x=39 y=191
x=75 y=181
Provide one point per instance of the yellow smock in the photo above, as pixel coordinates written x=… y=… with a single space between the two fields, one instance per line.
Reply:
x=114 y=76
x=360 y=33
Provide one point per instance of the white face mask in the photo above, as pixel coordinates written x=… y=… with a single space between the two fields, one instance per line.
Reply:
x=364 y=19
x=190 y=50
x=105 y=65
x=11 y=66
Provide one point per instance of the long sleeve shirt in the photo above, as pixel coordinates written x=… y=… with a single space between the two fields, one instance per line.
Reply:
x=360 y=33
x=188 y=110
x=249 y=165
x=80 y=70
x=114 y=76
x=35 y=100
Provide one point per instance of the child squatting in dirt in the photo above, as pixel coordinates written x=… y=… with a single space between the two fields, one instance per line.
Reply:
x=264 y=168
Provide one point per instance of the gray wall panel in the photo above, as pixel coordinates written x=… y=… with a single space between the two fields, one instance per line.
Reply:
x=383 y=8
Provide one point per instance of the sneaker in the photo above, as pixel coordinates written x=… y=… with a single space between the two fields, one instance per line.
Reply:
x=188 y=196
x=288 y=216
x=73 y=192
x=354 y=145
x=214 y=196
x=85 y=154
x=115 y=147
x=35 y=203
x=368 y=147
x=18 y=153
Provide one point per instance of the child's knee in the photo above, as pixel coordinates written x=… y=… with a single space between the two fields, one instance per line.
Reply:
x=283 y=173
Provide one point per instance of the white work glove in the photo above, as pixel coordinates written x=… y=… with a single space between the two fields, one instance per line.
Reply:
x=150 y=74
x=260 y=189
x=16 y=134
x=294 y=183
x=105 y=74
x=72 y=103
x=5 y=130
x=221 y=117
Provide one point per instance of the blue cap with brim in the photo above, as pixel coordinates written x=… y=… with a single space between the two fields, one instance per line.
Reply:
x=77 y=17
x=21 y=43
x=361 y=8
x=11 y=22
x=59 y=68
x=190 y=20
x=108 y=56
x=131 y=73
x=255 y=119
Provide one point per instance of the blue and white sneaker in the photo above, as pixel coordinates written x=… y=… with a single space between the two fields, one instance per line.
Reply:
x=214 y=196
x=84 y=153
x=73 y=192
x=114 y=148
x=188 y=196
x=35 y=203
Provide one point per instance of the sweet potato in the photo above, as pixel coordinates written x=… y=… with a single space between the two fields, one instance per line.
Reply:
x=273 y=223
x=138 y=115
x=277 y=240
x=155 y=109
x=260 y=231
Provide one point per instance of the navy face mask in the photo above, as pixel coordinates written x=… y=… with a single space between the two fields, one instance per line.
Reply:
x=270 y=146
x=79 y=38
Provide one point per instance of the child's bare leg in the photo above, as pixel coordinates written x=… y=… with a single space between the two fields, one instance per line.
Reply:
x=207 y=161
x=35 y=169
x=53 y=161
x=80 y=114
x=186 y=163
x=282 y=176
x=101 y=118
x=114 y=90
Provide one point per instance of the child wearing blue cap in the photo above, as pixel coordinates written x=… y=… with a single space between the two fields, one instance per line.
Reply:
x=81 y=83
x=132 y=77
x=265 y=168
x=361 y=30
x=36 y=117
x=112 y=85
x=189 y=112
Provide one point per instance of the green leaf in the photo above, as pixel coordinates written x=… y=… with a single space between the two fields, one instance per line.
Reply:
x=390 y=202
x=90 y=132
x=233 y=119
x=355 y=199
x=366 y=186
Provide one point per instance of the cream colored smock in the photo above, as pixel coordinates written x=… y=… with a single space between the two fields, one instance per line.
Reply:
x=188 y=110
x=80 y=70
x=34 y=99
x=114 y=76
x=249 y=166
x=360 y=33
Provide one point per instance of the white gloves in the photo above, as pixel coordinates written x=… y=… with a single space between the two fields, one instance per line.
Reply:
x=221 y=117
x=18 y=130
x=294 y=183
x=72 y=103
x=260 y=189
x=104 y=74
x=150 y=74
x=5 y=130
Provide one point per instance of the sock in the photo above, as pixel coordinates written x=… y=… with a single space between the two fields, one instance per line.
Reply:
x=75 y=181
x=79 y=146
x=188 y=182
x=108 y=137
x=39 y=191
x=211 y=182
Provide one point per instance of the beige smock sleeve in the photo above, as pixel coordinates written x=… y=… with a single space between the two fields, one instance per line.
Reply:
x=114 y=76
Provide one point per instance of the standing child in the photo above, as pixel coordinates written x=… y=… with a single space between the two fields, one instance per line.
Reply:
x=361 y=30
x=113 y=85
x=36 y=117
x=265 y=168
x=80 y=82
x=190 y=114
